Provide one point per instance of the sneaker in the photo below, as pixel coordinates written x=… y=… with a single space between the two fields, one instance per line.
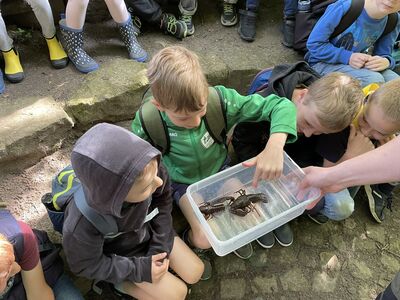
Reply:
x=318 y=218
x=201 y=253
x=247 y=25
x=284 y=235
x=378 y=201
x=244 y=252
x=228 y=16
x=189 y=24
x=288 y=31
x=172 y=26
x=267 y=240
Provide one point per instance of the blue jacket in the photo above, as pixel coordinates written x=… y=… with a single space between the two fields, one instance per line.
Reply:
x=358 y=37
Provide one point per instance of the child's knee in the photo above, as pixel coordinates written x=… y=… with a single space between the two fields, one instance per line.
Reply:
x=196 y=272
x=372 y=77
x=343 y=208
x=199 y=239
x=180 y=291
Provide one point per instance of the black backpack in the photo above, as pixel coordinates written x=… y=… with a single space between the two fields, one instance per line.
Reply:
x=156 y=129
x=305 y=21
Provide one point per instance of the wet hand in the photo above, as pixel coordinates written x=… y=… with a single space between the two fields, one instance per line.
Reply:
x=358 y=60
x=319 y=178
x=159 y=266
x=269 y=163
x=377 y=63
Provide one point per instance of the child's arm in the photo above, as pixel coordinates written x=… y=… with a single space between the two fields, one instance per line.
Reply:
x=162 y=238
x=382 y=56
x=318 y=43
x=84 y=253
x=279 y=111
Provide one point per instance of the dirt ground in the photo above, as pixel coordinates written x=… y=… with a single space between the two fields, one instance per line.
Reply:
x=23 y=188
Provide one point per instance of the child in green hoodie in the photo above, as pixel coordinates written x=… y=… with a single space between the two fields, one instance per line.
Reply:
x=180 y=93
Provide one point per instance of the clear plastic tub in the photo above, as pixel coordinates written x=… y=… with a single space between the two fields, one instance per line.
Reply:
x=225 y=229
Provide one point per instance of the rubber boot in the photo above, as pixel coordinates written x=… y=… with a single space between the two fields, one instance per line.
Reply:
x=58 y=57
x=72 y=40
x=128 y=35
x=288 y=31
x=13 y=69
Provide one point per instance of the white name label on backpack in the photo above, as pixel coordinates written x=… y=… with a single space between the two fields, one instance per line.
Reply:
x=207 y=140
x=151 y=215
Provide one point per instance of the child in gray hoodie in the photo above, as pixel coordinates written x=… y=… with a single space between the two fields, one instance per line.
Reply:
x=121 y=176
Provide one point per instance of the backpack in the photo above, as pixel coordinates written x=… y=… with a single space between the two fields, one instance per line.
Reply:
x=66 y=187
x=50 y=259
x=156 y=130
x=305 y=21
x=260 y=81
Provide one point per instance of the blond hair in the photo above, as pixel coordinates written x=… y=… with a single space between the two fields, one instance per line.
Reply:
x=177 y=80
x=337 y=98
x=6 y=255
x=388 y=99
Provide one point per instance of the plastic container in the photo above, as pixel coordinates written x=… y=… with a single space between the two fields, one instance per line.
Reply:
x=227 y=231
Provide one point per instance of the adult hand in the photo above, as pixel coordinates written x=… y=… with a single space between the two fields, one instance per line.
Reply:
x=357 y=144
x=377 y=63
x=319 y=178
x=358 y=60
x=159 y=266
x=269 y=163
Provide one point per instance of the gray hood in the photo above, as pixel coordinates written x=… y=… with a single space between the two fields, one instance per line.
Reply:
x=116 y=158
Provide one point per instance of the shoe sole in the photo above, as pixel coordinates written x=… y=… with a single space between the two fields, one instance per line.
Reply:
x=230 y=23
x=371 y=203
x=15 y=78
x=264 y=246
x=282 y=243
x=59 y=63
x=315 y=220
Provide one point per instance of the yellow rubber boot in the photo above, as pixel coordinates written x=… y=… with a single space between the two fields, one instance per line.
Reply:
x=58 y=57
x=13 y=69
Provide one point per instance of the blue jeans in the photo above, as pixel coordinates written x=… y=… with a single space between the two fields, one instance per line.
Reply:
x=66 y=290
x=364 y=75
x=338 y=206
x=290 y=8
x=252 y=5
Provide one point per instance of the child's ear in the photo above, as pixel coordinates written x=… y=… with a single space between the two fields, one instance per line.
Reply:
x=303 y=93
x=156 y=104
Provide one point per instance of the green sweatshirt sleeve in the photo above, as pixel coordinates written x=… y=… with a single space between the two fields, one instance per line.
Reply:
x=137 y=128
x=279 y=111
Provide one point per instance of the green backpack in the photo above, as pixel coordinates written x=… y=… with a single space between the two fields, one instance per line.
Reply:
x=156 y=130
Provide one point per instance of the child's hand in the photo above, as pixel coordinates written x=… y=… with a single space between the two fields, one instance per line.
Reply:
x=358 y=60
x=357 y=143
x=377 y=63
x=159 y=266
x=269 y=163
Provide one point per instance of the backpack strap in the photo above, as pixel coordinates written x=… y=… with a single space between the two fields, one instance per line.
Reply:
x=103 y=223
x=390 y=24
x=349 y=17
x=215 y=117
x=153 y=124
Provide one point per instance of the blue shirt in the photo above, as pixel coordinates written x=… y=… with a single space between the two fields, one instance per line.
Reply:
x=358 y=37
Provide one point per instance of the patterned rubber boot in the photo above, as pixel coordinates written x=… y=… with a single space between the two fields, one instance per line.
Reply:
x=72 y=40
x=128 y=35
x=58 y=57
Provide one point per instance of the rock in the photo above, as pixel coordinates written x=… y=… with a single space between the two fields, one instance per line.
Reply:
x=33 y=131
x=264 y=285
x=376 y=232
x=322 y=282
x=360 y=270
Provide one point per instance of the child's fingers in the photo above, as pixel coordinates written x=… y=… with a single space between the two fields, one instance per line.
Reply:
x=159 y=256
x=250 y=162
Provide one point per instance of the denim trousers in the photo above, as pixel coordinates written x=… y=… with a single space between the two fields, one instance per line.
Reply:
x=65 y=289
x=364 y=75
x=338 y=206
